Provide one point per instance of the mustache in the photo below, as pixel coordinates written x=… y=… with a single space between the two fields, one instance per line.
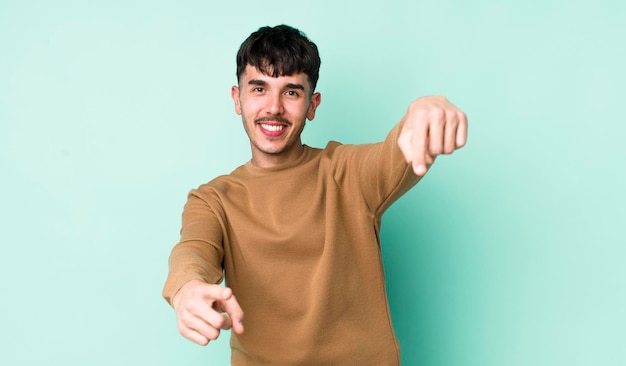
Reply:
x=273 y=119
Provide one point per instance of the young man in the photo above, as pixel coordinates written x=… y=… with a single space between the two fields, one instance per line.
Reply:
x=296 y=230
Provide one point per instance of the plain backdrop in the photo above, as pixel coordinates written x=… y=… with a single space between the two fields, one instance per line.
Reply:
x=509 y=252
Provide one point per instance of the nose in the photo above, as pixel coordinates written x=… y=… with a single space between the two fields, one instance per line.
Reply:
x=274 y=104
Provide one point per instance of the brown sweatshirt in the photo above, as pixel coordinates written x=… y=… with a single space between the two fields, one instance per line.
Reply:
x=299 y=245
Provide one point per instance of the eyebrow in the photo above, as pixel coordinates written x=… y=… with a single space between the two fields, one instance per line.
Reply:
x=295 y=86
x=257 y=82
x=289 y=85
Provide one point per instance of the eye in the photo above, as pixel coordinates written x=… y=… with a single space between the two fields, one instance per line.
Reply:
x=292 y=93
x=258 y=89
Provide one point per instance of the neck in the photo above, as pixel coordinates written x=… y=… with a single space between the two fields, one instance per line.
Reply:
x=265 y=160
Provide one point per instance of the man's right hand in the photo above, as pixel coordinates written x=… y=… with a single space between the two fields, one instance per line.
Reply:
x=202 y=310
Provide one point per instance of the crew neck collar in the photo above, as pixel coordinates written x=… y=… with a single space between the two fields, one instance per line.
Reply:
x=305 y=156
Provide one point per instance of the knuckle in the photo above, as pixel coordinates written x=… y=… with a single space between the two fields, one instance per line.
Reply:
x=190 y=307
x=437 y=150
x=219 y=322
x=462 y=117
x=421 y=115
x=184 y=318
x=185 y=331
x=213 y=334
x=198 y=339
x=453 y=120
x=437 y=115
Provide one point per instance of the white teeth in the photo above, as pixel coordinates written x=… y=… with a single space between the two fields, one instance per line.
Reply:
x=272 y=128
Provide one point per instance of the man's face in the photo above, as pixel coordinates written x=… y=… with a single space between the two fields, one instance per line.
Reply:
x=274 y=110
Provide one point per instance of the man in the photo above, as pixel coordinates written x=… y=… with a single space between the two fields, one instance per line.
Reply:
x=296 y=229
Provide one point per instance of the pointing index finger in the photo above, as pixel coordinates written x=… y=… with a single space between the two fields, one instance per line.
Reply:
x=231 y=306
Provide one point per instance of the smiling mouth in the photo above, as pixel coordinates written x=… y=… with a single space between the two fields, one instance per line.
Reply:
x=272 y=127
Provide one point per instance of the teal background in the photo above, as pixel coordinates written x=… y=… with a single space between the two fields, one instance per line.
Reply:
x=509 y=252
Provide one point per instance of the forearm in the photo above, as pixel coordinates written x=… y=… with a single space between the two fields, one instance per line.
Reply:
x=199 y=254
x=379 y=171
x=191 y=260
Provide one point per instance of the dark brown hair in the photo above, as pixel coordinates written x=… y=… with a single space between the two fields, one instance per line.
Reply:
x=280 y=51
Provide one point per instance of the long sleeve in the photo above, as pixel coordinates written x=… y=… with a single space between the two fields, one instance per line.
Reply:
x=200 y=253
x=379 y=171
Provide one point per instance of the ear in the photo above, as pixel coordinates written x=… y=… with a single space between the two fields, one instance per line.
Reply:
x=316 y=99
x=234 y=93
